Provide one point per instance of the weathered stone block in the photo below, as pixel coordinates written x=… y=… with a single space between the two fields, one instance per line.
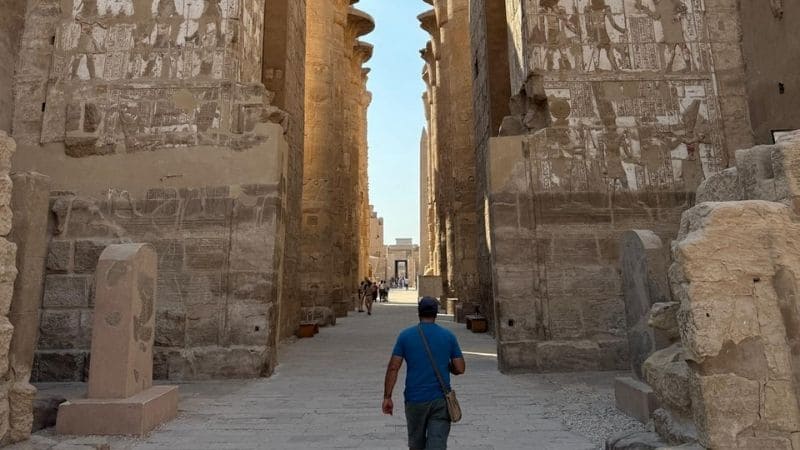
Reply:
x=87 y=252
x=66 y=291
x=644 y=264
x=724 y=406
x=60 y=329
x=20 y=399
x=674 y=428
x=60 y=365
x=567 y=356
x=59 y=256
x=668 y=374
x=634 y=398
x=720 y=187
x=203 y=324
x=6 y=332
x=170 y=327
x=249 y=323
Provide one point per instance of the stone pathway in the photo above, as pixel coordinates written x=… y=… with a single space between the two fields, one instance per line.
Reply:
x=327 y=391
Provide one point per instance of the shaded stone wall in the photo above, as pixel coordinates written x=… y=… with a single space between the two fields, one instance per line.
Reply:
x=284 y=76
x=771 y=54
x=151 y=119
x=555 y=258
x=217 y=292
x=11 y=26
x=491 y=96
x=624 y=109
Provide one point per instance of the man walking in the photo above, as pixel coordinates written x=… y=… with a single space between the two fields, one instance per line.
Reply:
x=426 y=409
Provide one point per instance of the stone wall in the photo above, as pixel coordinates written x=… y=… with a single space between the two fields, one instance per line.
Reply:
x=771 y=52
x=652 y=91
x=402 y=250
x=11 y=25
x=15 y=395
x=555 y=259
x=151 y=119
x=624 y=108
x=218 y=278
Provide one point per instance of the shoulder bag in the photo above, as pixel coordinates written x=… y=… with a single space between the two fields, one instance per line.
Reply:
x=453 y=408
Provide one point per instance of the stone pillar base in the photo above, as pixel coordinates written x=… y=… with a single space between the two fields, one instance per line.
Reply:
x=134 y=416
x=634 y=398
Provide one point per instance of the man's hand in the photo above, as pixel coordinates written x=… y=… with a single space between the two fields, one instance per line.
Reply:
x=388 y=406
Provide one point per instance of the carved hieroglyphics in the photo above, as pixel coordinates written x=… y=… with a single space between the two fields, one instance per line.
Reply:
x=452 y=234
x=153 y=123
x=335 y=155
x=621 y=109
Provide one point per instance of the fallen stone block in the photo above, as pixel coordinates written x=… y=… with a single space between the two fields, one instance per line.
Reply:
x=634 y=398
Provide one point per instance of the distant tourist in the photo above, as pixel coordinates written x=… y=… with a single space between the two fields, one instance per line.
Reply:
x=384 y=291
x=426 y=409
x=373 y=295
x=363 y=292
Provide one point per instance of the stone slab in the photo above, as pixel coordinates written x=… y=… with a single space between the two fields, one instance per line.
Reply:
x=634 y=398
x=124 y=320
x=134 y=416
x=430 y=286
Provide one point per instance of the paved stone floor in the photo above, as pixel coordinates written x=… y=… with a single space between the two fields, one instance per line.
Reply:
x=327 y=393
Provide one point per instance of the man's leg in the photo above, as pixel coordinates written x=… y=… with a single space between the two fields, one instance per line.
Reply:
x=438 y=428
x=416 y=422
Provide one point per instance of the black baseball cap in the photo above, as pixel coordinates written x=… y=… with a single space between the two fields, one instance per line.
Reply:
x=428 y=306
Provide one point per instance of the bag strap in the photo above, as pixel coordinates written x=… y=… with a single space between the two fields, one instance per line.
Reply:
x=433 y=361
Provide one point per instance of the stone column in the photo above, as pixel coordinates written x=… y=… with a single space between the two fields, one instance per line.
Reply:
x=358 y=52
x=363 y=174
x=434 y=97
x=30 y=202
x=323 y=247
x=284 y=75
x=456 y=195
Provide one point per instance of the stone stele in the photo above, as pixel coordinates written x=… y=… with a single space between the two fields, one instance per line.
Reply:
x=122 y=399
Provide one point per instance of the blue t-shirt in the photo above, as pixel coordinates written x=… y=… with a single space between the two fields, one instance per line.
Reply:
x=421 y=383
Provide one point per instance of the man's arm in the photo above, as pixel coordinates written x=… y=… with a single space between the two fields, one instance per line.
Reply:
x=388 y=384
x=458 y=366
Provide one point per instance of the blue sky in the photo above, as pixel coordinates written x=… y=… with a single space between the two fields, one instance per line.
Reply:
x=396 y=116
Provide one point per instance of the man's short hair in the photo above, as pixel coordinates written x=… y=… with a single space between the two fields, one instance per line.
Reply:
x=428 y=307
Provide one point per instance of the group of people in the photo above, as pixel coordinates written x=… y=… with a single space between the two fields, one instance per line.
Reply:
x=371 y=291
x=399 y=283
